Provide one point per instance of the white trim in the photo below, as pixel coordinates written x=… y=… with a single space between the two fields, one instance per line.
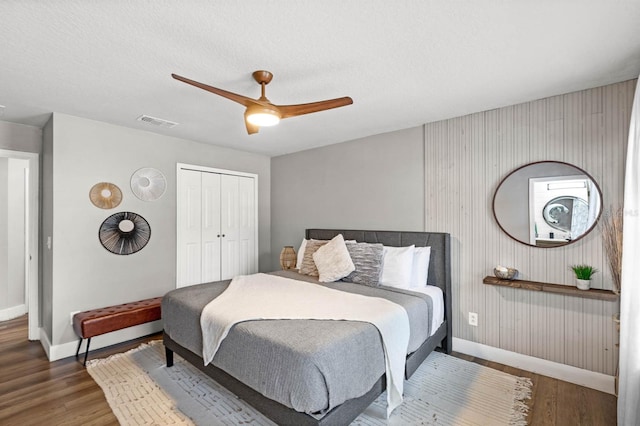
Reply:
x=65 y=350
x=27 y=229
x=567 y=373
x=33 y=306
x=45 y=342
x=184 y=166
x=13 y=312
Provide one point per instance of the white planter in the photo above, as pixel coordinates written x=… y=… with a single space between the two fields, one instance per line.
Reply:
x=583 y=284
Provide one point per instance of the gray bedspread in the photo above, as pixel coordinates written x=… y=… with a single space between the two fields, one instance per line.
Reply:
x=308 y=365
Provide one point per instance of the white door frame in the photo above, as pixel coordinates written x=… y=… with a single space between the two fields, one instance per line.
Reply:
x=183 y=166
x=32 y=286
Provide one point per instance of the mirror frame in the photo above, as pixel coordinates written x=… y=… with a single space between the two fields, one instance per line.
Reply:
x=587 y=232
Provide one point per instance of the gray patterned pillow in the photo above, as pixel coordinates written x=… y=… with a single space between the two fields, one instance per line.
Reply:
x=367 y=259
x=308 y=266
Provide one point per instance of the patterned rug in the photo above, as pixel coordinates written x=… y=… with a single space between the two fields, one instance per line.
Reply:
x=444 y=391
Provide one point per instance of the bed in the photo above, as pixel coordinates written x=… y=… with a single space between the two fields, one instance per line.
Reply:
x=262 y=361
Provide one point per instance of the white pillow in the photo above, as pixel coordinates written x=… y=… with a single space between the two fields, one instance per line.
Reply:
x=333 y=260
x=303 y=245
x=420 y=270
x=397 y=265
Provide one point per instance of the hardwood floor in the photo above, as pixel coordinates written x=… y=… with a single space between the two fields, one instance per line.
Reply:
x=555 y=402
x=34 y=391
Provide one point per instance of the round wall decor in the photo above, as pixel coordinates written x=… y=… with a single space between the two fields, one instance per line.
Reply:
x=148 y=184
x=105 y=195
x=124 y=233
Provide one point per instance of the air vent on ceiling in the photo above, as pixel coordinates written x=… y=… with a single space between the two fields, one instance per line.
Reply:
x=157 y=121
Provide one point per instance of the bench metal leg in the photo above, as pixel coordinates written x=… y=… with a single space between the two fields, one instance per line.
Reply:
x=86 y=352
x=79 y=344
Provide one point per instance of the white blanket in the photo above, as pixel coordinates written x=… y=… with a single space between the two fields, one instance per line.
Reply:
x=262 y=296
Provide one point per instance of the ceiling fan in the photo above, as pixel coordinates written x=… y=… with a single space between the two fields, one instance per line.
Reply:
x=261 y=112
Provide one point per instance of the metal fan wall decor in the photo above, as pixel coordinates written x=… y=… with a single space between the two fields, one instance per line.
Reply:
x=148 y=184
x=124 y=233
x=105 y=195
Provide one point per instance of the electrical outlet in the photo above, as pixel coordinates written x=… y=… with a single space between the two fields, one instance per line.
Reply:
x=473 y=319
x=71 y=317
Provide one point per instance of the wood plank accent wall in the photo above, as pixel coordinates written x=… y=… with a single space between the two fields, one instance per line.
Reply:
x=465 y=160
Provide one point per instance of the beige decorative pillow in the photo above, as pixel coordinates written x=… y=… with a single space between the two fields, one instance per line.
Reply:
x=308 y=266
x=333 y=260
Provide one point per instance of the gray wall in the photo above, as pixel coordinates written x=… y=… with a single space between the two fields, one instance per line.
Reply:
x=18 y=137
x=83 y=274
x=373 y=183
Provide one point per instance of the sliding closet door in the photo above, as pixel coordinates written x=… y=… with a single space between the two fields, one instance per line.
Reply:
x=216 y=226
x=211 y=235
x=238 y=226
x=189 y=218
x=247 y=211
x=229 y=215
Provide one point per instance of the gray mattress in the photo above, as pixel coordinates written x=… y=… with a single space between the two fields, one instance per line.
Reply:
x=338 y=360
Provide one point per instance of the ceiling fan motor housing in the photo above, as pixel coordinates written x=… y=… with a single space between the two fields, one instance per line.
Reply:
x=260 y=115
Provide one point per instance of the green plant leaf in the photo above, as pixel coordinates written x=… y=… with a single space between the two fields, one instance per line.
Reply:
x=583 y=272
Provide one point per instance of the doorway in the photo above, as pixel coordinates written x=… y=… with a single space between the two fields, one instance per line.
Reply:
x=20 y=171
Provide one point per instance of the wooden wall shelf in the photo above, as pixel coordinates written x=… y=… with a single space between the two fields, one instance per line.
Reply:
x=552 y=288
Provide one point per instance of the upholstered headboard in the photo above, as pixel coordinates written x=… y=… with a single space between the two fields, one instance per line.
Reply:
x=440 y=243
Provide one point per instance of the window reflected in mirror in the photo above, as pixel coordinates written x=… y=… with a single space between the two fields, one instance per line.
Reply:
x=547 y=204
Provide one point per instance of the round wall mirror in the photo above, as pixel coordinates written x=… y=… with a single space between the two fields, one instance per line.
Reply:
x=547 y=204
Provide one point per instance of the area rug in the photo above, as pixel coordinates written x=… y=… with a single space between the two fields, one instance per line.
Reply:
x=444 y=391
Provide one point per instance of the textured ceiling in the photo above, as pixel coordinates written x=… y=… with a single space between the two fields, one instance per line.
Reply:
x=404 y=63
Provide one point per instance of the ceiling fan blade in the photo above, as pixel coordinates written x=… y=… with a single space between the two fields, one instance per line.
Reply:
x=242 y=100
x=294 y=110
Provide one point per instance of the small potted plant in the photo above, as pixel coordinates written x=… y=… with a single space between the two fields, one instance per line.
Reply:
x=583 y=275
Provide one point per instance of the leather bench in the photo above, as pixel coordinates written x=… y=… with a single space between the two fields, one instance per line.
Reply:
x=95 y=322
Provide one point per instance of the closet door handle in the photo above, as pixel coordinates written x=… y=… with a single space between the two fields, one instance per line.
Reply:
x=218 y=235
x=222 y=235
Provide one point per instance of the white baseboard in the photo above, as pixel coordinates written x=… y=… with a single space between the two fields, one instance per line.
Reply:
x=45 y=342
x=64 y=350
x=579 y=376
x=12 y=312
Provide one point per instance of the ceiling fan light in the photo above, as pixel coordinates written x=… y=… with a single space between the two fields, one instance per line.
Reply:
x=262 y=117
